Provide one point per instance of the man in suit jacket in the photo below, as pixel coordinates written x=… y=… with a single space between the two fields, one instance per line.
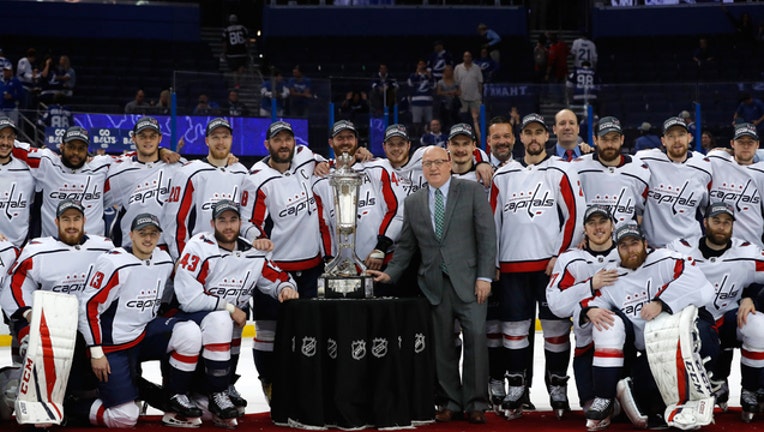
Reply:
x=456 y=236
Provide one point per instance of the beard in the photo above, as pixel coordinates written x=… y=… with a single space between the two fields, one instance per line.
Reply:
x=608 y=155
x=633 y=262
x=718 y=238
x=278 y=159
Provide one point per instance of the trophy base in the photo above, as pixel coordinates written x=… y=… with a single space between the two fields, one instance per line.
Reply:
x=339 y=287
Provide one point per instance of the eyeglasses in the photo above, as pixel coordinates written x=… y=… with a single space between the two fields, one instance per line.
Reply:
x=437 y=163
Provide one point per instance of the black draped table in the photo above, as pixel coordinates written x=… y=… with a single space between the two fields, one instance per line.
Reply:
x=353 y=364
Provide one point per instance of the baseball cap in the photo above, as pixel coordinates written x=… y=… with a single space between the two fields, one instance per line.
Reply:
x=533 y=118
x=7 y=66
x=745 y=129
x=223 y=206
x=216 y=123
x=609 y=124
x=144 y=220
x=6 y=122
x=674 y=121
x=717 y=208
x=461 y=129
x=629 y=229
x=684 y=114
x=646 y=127
x=396 y=130
x=76 y=133
x=597 y=209
x=277 y=127
x=343 y=125
x=67 y=204
x=146 y=122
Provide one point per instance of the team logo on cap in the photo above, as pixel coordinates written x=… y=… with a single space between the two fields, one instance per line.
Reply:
x=396 y=130
x=216 y=123
x=461 y=129
x=533 y=118
x=76 y=133
x=674 y=121
x=746 y=129
x=343 y=125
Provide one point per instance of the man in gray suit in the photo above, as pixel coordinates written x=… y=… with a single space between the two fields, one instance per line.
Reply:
x=451 y=224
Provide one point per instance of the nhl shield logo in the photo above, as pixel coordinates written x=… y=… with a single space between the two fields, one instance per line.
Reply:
x=379 y=347
x=419 y=343
x=308 y=346
x=331 y=348
x=358 y=349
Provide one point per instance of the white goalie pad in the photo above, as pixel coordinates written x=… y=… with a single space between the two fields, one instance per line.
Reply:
x=629 y=405
x=691 y=415
x=45 y=370
x=672 y=343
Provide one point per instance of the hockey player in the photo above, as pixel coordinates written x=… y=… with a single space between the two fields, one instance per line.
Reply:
x=140 y=184
x=609 y=178
x=679 y=185
x=199 y=184
x=219 y=271
x=118 y=319
x=647 y=284
x=16 y=187
x=731 y=265
x=461 y=145
x=58 y=264
x=738 y=181
x=537 y=201
x=577 y=275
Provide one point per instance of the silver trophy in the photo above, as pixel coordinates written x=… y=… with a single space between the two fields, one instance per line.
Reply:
x=344 y=275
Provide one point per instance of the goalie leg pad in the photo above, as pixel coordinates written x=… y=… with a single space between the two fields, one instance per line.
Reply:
x=690 y=415
x=629 y=404
x=672 y=343
x=45 y=371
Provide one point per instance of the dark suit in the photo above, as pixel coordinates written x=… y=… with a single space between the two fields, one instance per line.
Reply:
x=468 y=249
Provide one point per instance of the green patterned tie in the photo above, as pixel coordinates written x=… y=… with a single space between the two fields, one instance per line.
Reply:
x=440 y=214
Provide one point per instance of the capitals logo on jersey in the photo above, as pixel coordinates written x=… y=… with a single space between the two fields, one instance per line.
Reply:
x=298 y=204
x=741 y=195
x=409 y=183
x=71 y=283
x=235 y=291
x=633 y=304
x=533 y=202
x=725 y=292
x=147 y=299
x=153 y=189
x=79 y=192
x=618 y=204
x=11 y=202
x=233 y=196
x=676 y=197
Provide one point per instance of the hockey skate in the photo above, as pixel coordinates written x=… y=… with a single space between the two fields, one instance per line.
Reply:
x=750 y=404
x=151 y=395
x=181 y=412
x=599 y=414
x=558 y=394
x=721 y=393
x=203 y=402
x=239 y=402
x=498 y=393
x=224 y=412
x=513 y=402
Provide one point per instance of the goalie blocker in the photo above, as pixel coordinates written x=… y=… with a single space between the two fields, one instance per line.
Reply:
x=45 y=369
x=678 y=348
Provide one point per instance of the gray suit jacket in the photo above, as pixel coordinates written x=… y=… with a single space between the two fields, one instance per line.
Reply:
x=468 y=247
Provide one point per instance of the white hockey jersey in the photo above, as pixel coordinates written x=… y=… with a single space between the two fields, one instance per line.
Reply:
x=739 y=266
x=48 y=264
x=740 y=186
x=538 y=211
x=196 y=187
x=209 y=277
x=677 y=196
x=8 y=254
x=122 y=296
x=622 y=189
x=666 y=276
x=136 y=187
x=282 y=207
x=377 y=207
x=58 y=182
x=17 y=187
x=570 y=282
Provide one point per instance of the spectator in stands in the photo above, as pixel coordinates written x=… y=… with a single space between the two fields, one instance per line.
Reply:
x=540 y=59
x=11 y=88
x=138 y=105
x=448 y=93
x=300 y=93
x=708 y=141
x=236 y=45
x=584 y=50
x=163 y=106
x=687 y=117
x=28 y=73
x=273 y=89
x=438 y=60
x=745 y=31
x=515 y=119
x=57 y=115
x=233 y=106
x=490 y=41
x=487 y=65
x=4 y=60
x=581 y=86
x=704 y=59
x=434 y=135
x=647 y=139
x=62 y=79
x=205 y=107
x=469 y=77
x=384 y=90
x=557 y=64
x=421 y=85
x=750 y=110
